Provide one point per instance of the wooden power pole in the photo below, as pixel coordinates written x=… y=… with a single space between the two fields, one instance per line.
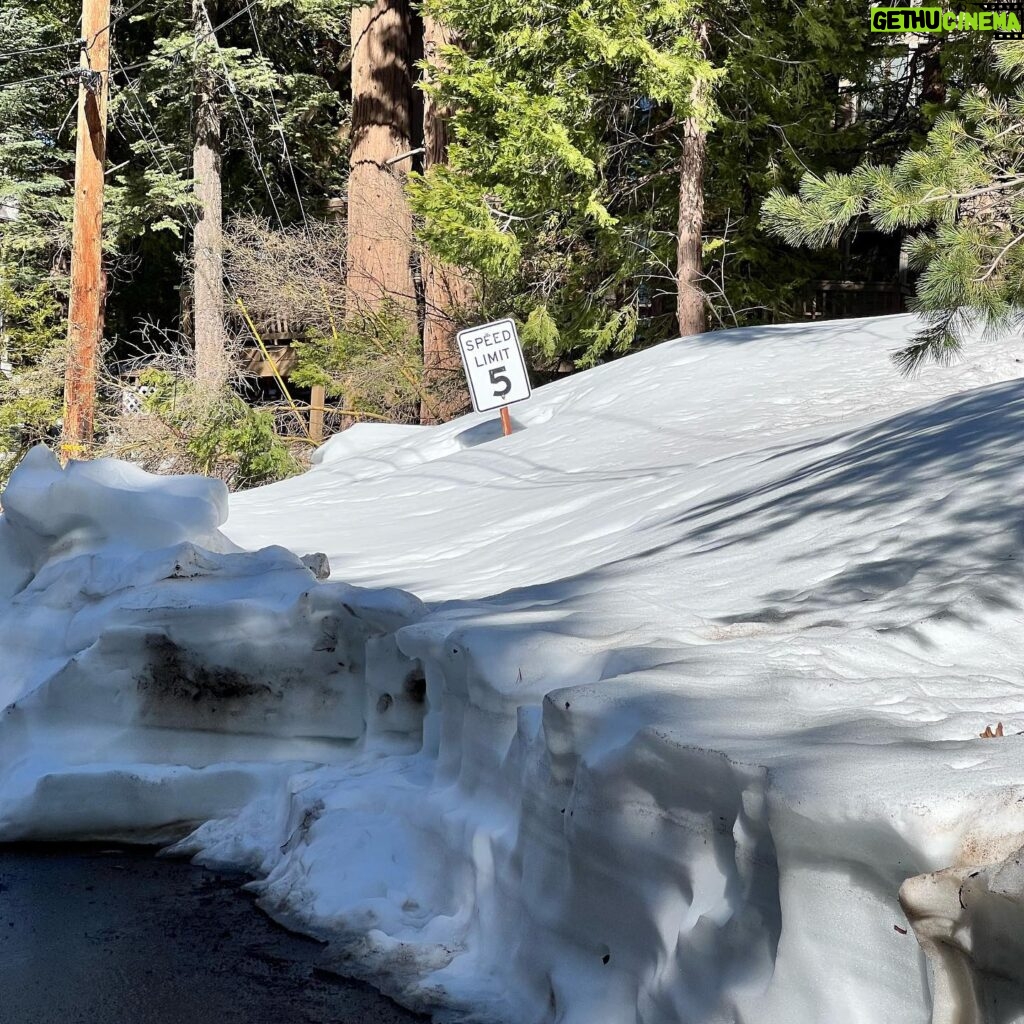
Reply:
x=85 y=313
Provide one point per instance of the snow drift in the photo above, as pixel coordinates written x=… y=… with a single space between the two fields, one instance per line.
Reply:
x=686 y=730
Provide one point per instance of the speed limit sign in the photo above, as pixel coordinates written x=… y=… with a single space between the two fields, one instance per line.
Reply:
x=494 y=363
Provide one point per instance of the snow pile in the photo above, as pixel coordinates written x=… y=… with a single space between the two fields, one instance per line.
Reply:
x=694 y=703
x=154 y=673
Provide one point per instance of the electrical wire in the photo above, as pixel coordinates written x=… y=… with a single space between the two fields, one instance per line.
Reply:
x=69 y=73
x=72 y=44
x=10 y=54
x=257 y=163
x=113 y=21
x=280 y=128
x=192 y=42
x=160 y=148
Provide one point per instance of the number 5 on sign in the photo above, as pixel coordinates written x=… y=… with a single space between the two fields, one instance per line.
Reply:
x=495 y=367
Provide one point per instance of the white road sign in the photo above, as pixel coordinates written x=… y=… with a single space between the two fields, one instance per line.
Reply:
x=494 y=365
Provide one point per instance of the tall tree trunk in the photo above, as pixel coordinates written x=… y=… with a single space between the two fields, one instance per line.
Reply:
x=690 y=303
x=446 y=288
x=380 y=232
x=690 y=311
x=208 y=238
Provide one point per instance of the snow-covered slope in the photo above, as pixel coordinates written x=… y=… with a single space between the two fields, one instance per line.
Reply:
x=707 y=647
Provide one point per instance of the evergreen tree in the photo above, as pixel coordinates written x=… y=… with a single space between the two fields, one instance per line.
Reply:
x=961 y=195
x=783 y=111
x=563 y=120
x=607 y=160
x=447 y=290
x=36 y=168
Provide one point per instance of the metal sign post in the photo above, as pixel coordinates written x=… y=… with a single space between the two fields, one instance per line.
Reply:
x=495 y=368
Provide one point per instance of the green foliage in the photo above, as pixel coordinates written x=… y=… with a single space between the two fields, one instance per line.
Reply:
x=808 y=90
x=31 y=320
x=563 y=186
x=961 y=194
x=274 y=71
x=238 y=434
x=31 y=398
x=540 y=333
x=30 y=406
x=271 y=73
x=275 y=74
x=371 y=361
x=458 y=227
x=36 y=157
x=559 y=111
x=221 y=435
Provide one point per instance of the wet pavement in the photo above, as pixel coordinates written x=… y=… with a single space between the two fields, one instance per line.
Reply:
x=98 y=935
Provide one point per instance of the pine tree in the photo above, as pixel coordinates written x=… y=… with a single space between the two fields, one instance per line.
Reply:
x=961 y=195
x=609 y=161
x=275 y=72
x=783 y=111
x=209 y=336
x=276 y=79
x=36 y=166
x=691 y=316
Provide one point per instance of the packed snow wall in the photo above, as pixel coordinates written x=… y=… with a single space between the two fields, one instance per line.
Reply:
x=154 y=673
x=457 y=803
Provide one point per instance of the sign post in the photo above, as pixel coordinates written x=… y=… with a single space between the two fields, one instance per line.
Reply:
x=495 y=368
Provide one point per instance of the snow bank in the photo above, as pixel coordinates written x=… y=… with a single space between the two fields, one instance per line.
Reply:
x=154 y=673
x=695 y=704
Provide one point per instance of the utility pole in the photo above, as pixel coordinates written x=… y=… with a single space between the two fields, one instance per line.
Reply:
x=85 y=312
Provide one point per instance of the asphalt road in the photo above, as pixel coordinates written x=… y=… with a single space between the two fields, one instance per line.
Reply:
x=93 y=935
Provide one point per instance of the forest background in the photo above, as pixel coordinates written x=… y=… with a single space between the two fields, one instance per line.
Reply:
x=363 y=180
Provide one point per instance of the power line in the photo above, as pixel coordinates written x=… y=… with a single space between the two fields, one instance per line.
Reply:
x=160 y=148
x=241 y=116
x=280 y=128
x=192 y=42
x=77 y=43
x=73 y=72
x=69 y=73
x=10 y=54
x=113 y=21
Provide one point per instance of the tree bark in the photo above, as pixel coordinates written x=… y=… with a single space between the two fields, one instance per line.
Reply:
x=380 y=232
x=690 y=304
x=446 y=288
x=690 y=311
x=208 y=236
